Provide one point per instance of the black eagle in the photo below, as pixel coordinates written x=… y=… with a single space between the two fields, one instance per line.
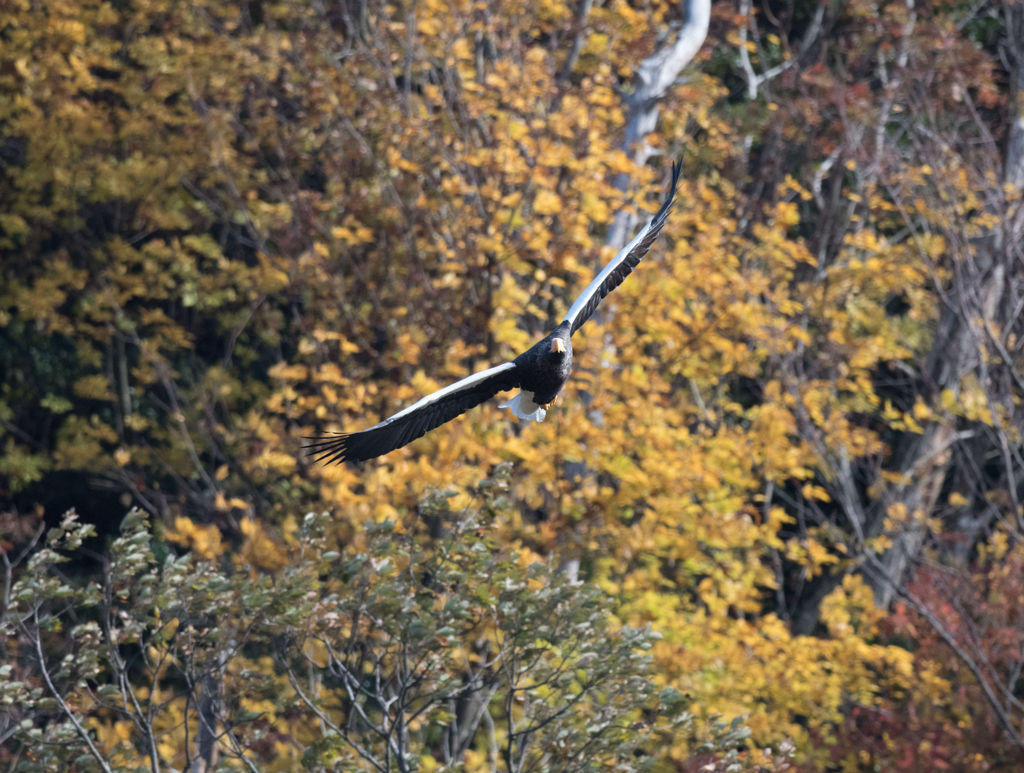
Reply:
x=539 y=373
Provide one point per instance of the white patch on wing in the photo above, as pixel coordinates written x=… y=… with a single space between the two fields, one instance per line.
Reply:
x=523 y=406
x=458 y=386
x=594 y=286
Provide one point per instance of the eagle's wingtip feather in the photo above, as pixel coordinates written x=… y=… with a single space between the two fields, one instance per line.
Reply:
x=328 y=449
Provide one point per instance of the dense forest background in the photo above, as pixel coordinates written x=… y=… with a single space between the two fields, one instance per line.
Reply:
x=792 y=439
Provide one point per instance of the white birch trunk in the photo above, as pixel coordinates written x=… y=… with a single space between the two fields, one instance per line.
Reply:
x=654 y=77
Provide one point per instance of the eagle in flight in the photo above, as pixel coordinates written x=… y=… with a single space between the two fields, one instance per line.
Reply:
x=539 y=373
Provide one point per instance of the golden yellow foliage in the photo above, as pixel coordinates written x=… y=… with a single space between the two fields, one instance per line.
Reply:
x=226 y=229
x=204 y=540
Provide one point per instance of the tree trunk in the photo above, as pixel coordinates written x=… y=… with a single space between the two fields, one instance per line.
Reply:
x=975 y=304
x=206 y=758
x=657 y=73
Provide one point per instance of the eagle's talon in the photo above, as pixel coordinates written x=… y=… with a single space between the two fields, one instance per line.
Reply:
x=547 y=406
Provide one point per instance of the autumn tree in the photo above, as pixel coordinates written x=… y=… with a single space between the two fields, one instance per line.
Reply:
x=404 y=653
x=922 y=162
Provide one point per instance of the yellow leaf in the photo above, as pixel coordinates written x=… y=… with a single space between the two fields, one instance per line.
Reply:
x=93 y=387
x=547 y=203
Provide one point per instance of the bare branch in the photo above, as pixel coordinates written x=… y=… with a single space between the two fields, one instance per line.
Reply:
x=82 y=732
x=580 y=24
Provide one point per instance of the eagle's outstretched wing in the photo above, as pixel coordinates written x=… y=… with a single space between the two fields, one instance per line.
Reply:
x=621 y=265
x=405 y=426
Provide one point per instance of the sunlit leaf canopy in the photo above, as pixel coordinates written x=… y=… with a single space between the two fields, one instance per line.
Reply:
x=227 y=226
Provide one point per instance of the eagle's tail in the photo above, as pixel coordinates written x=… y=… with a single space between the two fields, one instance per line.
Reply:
x=523 y=406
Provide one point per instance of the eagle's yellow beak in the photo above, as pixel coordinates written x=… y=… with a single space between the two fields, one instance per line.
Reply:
x=557 y=345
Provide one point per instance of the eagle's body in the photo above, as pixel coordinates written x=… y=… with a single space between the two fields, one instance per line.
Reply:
x=540 y=372
x=543 y=370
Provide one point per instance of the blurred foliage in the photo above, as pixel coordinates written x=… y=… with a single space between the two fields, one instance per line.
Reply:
x=225 y=226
